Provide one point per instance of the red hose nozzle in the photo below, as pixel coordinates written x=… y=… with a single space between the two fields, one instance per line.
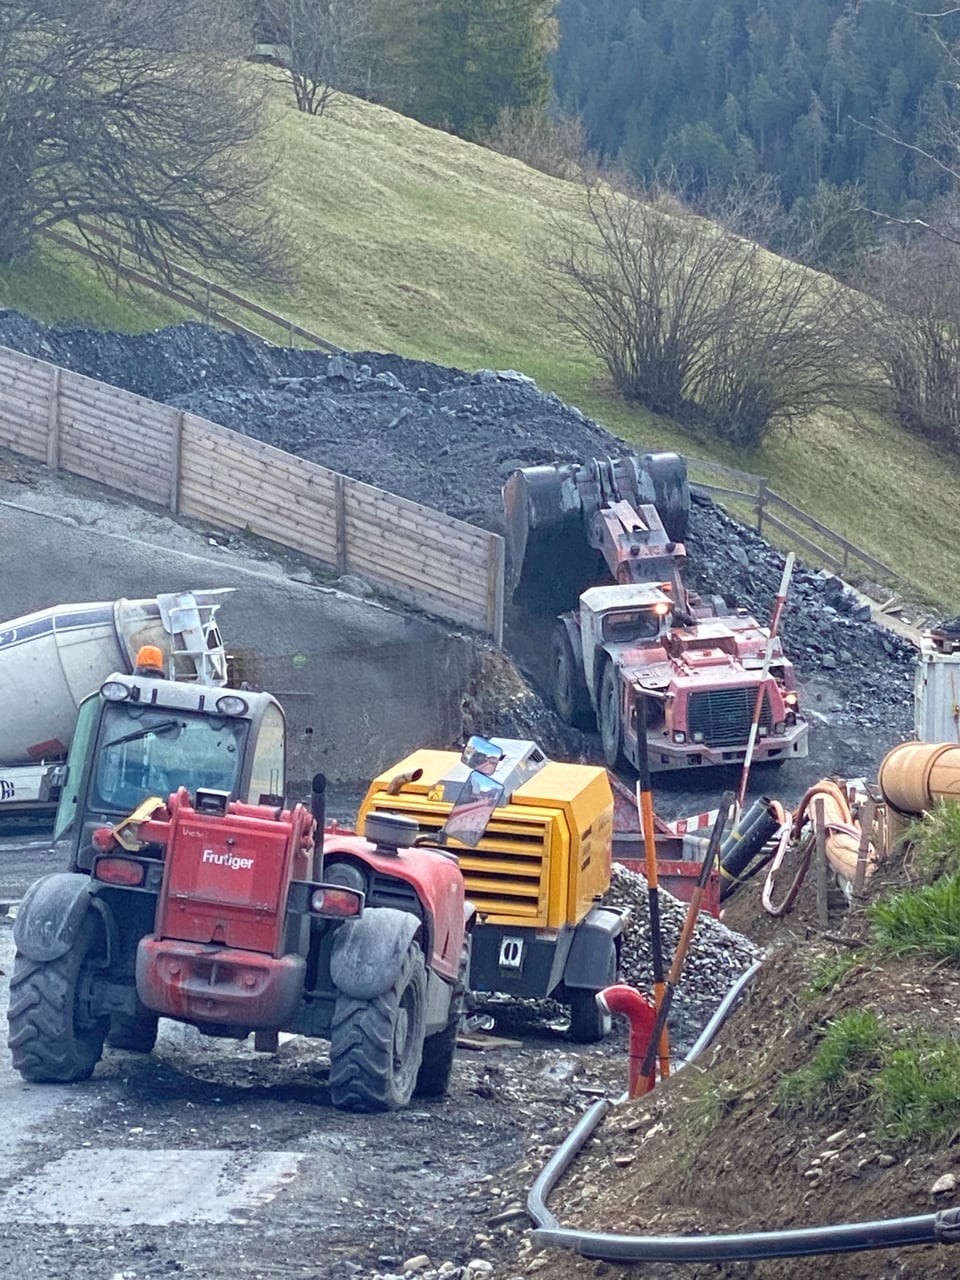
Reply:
x=642 y=1016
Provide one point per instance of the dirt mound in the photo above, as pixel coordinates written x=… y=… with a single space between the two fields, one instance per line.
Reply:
x=714 y=1152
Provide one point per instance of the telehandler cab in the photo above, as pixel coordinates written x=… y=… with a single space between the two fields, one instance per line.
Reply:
x=193 y=893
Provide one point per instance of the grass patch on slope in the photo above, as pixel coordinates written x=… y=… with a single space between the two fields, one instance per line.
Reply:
x=57 y=285
x=908 y=1090
x=414 y=241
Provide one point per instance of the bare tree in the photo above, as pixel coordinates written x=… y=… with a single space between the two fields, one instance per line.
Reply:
x=544 y=140
x=132 y=117
x=325 y=47
x=909 y=330
x=694 y=322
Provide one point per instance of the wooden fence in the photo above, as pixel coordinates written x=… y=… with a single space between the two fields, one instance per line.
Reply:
x=195 y=292
x=198 y=293
x=754 y=491
x=196 y=468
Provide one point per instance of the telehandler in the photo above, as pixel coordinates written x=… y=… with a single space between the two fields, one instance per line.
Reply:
x=192 y=893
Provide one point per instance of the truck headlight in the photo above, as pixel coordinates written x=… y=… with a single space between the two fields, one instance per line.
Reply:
x=679 y=735
x=780 y=728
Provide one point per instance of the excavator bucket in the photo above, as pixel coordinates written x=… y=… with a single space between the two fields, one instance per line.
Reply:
x=548 y=508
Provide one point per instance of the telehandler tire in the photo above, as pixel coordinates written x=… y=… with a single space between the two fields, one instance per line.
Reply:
x=376 y=1046
x=53 y=1039
x=611 y=736
x=137 y=1033
x=570 y=694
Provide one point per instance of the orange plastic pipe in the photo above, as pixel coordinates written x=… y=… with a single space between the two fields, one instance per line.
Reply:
x=914 y=776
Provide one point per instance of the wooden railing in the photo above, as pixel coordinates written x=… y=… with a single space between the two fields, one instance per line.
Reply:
x=162 y=455
x=196 y=293
x=756 y=493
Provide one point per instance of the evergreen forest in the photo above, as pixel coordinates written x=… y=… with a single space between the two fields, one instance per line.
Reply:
x=717 y=92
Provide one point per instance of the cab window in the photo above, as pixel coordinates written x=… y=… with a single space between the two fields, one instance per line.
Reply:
x=638 y=624
x=79 y=749
x=268 y=772
x=152 y=751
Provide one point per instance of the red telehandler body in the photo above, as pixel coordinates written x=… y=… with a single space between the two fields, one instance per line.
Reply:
x=219 y=907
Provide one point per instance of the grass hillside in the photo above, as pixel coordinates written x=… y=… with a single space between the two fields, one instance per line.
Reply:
x=416 y=242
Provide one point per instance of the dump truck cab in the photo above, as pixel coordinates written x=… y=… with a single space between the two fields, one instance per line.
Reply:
x=690 y=690
x=617 y=620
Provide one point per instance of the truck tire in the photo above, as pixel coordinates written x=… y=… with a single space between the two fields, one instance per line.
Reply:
x=433 y=1078
x=137 y=1033
x=376 y=1046
x=611 y=737
x=52 y=1039
x=589 y=1024
x=570 y=694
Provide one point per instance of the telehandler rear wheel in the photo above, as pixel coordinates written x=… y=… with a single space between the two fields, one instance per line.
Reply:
x=570 y=694
x=611 y=737
x=376 y=1046
x=137 y=1033
x=54 y=1038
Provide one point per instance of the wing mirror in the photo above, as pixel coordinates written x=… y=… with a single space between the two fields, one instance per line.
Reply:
x=476 y=801
x=482 y=755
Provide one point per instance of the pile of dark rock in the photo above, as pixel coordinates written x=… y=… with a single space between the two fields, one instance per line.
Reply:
x=448 y=439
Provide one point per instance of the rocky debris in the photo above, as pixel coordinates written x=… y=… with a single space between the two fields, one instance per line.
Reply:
x=822 y=628
x=448 y=439
x=715 y=960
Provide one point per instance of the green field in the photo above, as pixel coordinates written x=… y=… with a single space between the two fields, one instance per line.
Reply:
x=413 y=241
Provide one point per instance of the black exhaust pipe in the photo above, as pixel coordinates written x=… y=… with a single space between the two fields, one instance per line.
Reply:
x=318 y=808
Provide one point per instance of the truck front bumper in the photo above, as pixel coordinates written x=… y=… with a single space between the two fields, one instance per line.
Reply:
x=664 y=754
x=200 y=983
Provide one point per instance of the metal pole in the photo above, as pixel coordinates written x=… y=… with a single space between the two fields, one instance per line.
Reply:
x=765 y=671
x=686 y=933
x=645 y=809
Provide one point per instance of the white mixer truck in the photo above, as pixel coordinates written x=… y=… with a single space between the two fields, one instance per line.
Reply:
x=51 y=660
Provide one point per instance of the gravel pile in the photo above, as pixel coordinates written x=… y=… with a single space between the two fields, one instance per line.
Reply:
x=715 y=959
x=449 y=439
